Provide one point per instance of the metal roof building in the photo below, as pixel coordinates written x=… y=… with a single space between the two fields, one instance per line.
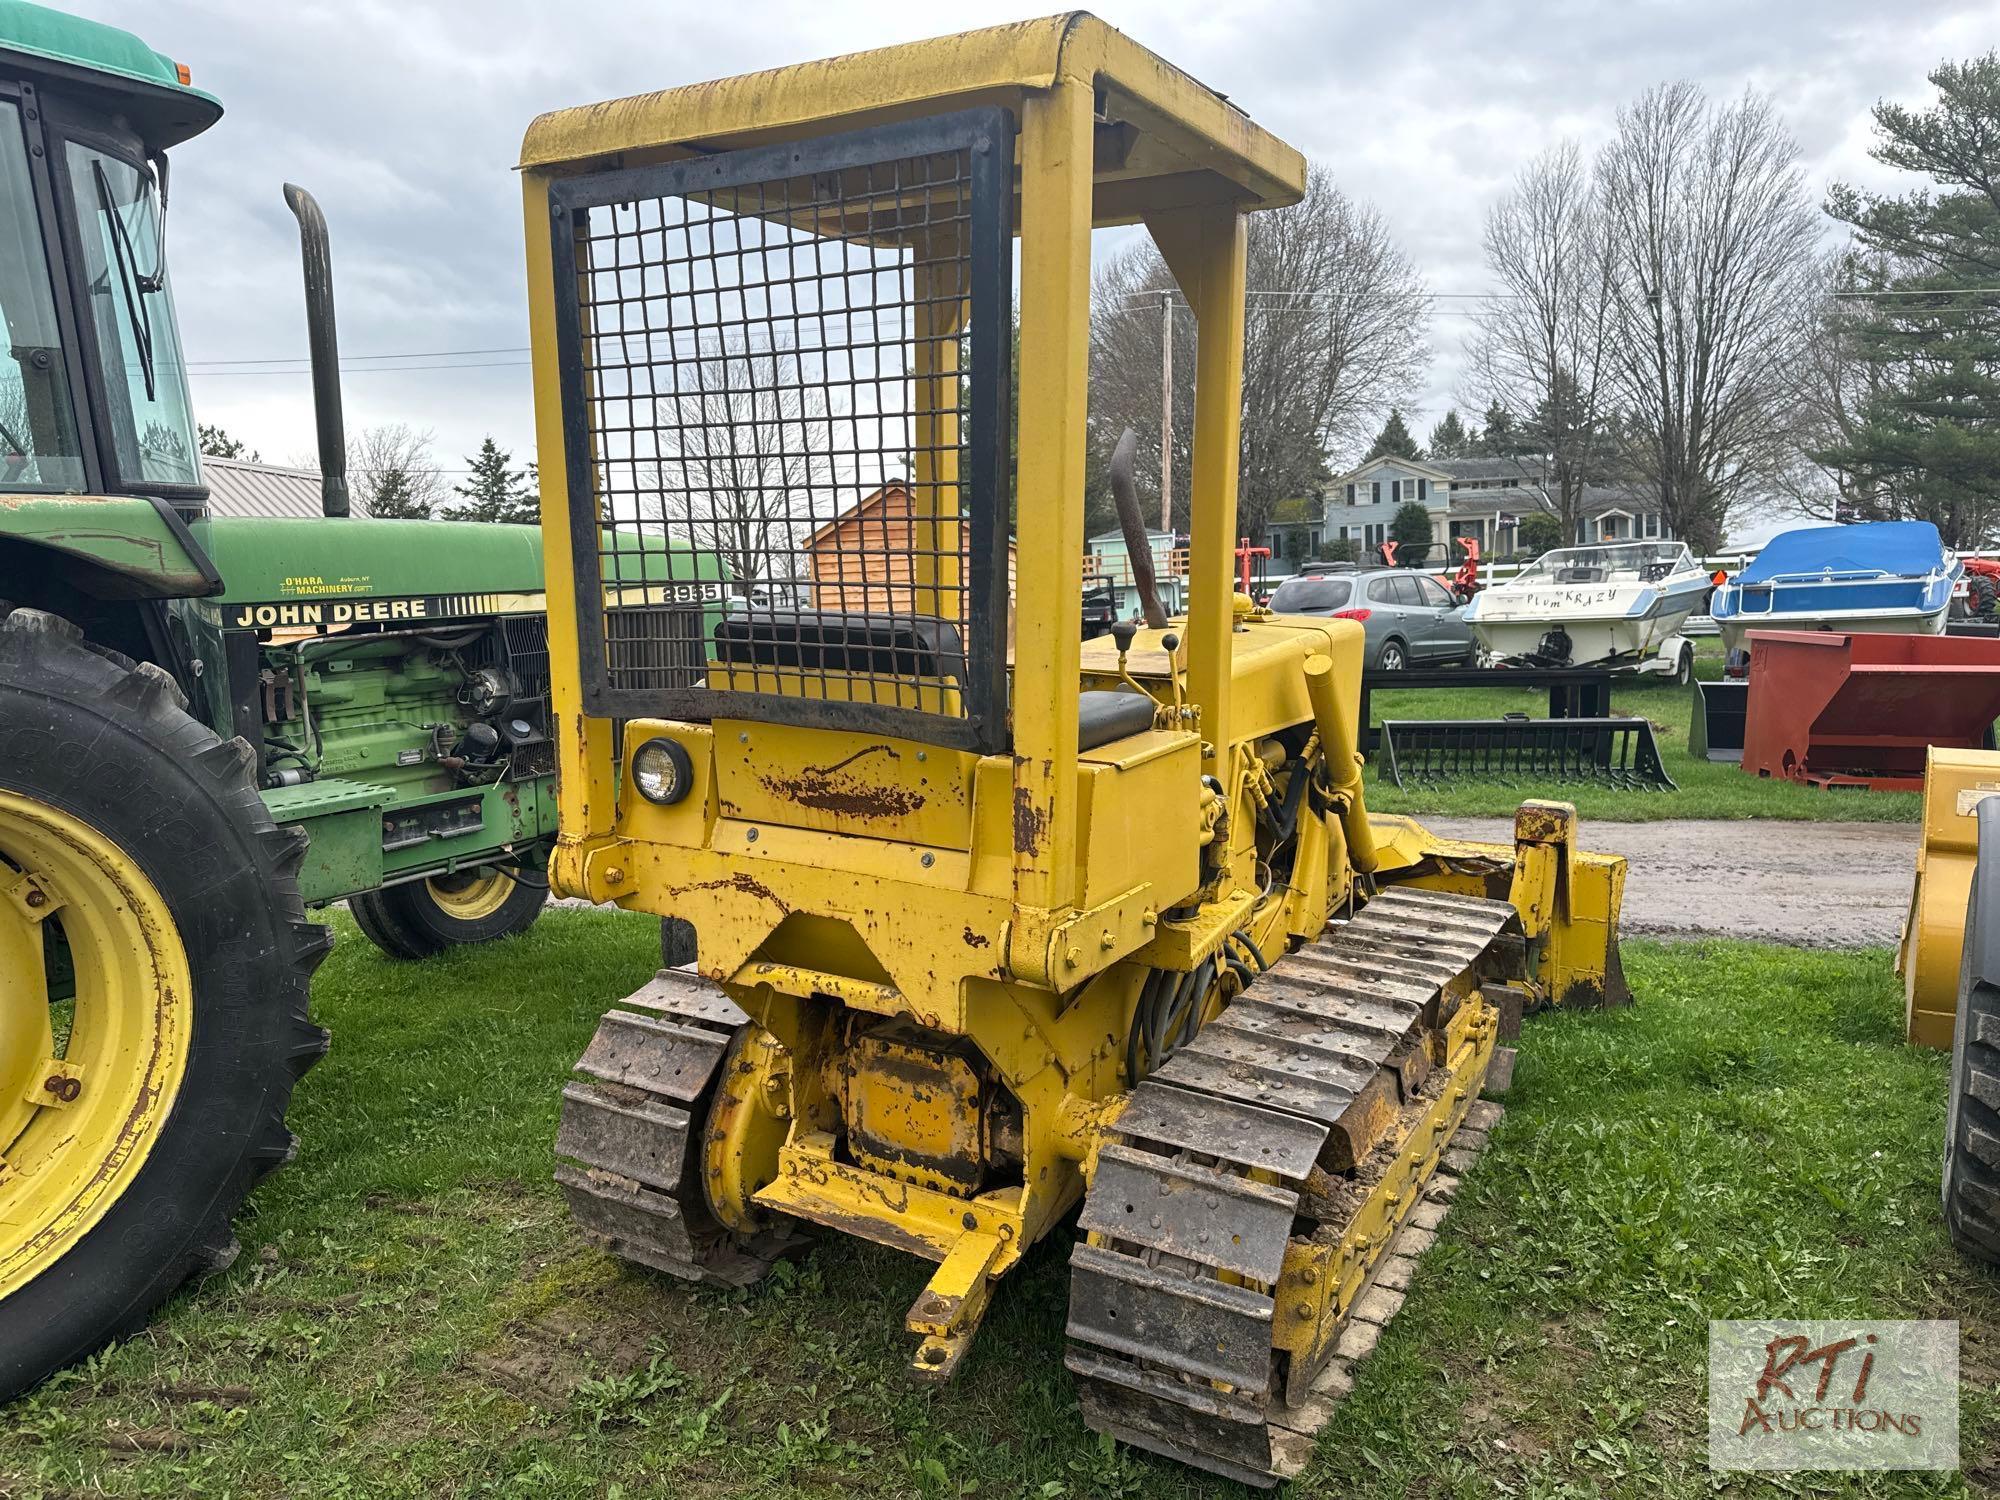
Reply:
x=237 y=488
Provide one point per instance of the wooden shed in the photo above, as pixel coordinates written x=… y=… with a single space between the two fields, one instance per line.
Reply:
x=862 y=561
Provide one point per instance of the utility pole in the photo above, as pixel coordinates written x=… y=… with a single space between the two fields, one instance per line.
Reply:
x=1167 y=414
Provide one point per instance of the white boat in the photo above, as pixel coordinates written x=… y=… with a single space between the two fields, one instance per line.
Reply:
x=1579 y=606
x=1872 y=577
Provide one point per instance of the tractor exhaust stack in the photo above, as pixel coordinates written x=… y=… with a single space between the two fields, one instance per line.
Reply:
x=324 y=347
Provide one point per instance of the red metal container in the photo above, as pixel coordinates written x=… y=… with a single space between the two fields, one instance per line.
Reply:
x=1833 y=709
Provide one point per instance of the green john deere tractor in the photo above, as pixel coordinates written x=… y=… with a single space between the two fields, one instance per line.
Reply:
x=210 y=726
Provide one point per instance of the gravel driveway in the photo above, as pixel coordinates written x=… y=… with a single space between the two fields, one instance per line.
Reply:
x=1815 y=885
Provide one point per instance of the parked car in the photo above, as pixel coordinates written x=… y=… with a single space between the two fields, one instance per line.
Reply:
x=1410 y=618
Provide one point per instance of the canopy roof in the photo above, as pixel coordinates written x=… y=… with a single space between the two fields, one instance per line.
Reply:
x=1163 y=139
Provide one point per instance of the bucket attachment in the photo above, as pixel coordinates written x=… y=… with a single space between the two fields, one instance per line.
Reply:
x=1616 y=752
x=1716 y=730
x=1955 y=783
x=1832 y=709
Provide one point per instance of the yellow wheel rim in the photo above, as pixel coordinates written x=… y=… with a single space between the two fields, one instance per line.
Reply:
x=85 y=1085
x=471 y=895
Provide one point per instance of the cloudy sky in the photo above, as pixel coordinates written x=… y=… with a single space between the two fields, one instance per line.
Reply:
x=404 y=119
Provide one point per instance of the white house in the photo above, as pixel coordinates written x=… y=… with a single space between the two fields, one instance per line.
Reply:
x=1483 y=498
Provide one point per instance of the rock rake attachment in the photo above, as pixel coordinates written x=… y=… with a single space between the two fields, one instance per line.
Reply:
x=1616 y=752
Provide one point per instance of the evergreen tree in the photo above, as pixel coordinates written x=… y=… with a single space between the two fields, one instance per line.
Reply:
x=1394 y=440
x=1923 y=439
x=1538 y=532
x=1501 y=437
x=1410 y=530
x=496 y=490
x=394 y=473
x=216 y=443
x=395 y=498
x=1450 y=438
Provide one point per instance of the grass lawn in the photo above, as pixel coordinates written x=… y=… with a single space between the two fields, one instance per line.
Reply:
x=1705 y=789
x=412 y=1315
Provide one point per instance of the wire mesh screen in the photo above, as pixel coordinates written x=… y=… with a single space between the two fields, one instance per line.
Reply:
x=785 y=378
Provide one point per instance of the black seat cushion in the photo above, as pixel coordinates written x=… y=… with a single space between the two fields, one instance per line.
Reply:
x=832 y=641
x=1105 y=715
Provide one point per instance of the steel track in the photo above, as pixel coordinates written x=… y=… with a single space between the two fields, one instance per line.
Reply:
x=634 y=1128
x=1216 y=1167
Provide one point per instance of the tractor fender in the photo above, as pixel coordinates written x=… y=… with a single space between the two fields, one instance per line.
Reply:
x=104 y=546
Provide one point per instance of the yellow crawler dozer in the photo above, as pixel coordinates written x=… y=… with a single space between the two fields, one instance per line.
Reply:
x=992 y=923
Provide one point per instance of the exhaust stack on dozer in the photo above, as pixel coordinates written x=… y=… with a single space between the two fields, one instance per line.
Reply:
x=321 y=340
x=991 y=928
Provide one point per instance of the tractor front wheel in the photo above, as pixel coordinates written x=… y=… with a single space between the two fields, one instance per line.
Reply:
x=154 y=967
x=420 y=918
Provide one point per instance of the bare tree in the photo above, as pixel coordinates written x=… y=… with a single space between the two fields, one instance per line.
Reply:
x=394 y=472
x=1544 y=346
x=1334 y=337
x=1713 y=262
x=744 y=444
x=1835 y=384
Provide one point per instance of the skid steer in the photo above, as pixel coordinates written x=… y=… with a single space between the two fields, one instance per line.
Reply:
x=994 y=924
x=210 y=725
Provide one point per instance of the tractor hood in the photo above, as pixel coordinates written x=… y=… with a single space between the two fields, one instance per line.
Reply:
x=320 y=572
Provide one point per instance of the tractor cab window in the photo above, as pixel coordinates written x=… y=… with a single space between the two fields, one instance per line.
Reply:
x=132 y=315
x=39 y=447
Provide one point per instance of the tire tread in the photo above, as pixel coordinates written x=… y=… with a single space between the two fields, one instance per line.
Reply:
x=48 y=657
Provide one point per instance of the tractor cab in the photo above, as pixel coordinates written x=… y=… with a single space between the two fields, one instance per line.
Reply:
x=93 y=390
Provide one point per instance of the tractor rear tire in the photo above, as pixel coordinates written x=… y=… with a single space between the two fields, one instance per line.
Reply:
x=1981 y=593
x=1972 y=1119
x=141 y=853
x=421 y=918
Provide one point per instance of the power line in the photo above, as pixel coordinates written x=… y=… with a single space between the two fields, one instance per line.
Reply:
x=375 y=364
x=505 y=364
x=287 y=359
x=883 y=315
x=1954 y=291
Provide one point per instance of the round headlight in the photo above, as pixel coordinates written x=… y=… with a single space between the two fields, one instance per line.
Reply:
x=662 y=771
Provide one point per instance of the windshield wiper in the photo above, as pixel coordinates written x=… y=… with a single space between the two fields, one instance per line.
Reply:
x=130 y=281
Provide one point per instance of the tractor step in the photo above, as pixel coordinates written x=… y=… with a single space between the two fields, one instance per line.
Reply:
x=631 y=1134
x=1257 y=1209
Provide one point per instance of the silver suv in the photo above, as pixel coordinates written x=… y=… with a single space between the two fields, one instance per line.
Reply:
x=1410 y=618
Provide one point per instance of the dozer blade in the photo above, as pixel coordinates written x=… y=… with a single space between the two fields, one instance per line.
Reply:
x=1256 y=1210
x=631 y=1134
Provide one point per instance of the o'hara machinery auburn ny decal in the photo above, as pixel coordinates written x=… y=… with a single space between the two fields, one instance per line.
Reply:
x=290 y=614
